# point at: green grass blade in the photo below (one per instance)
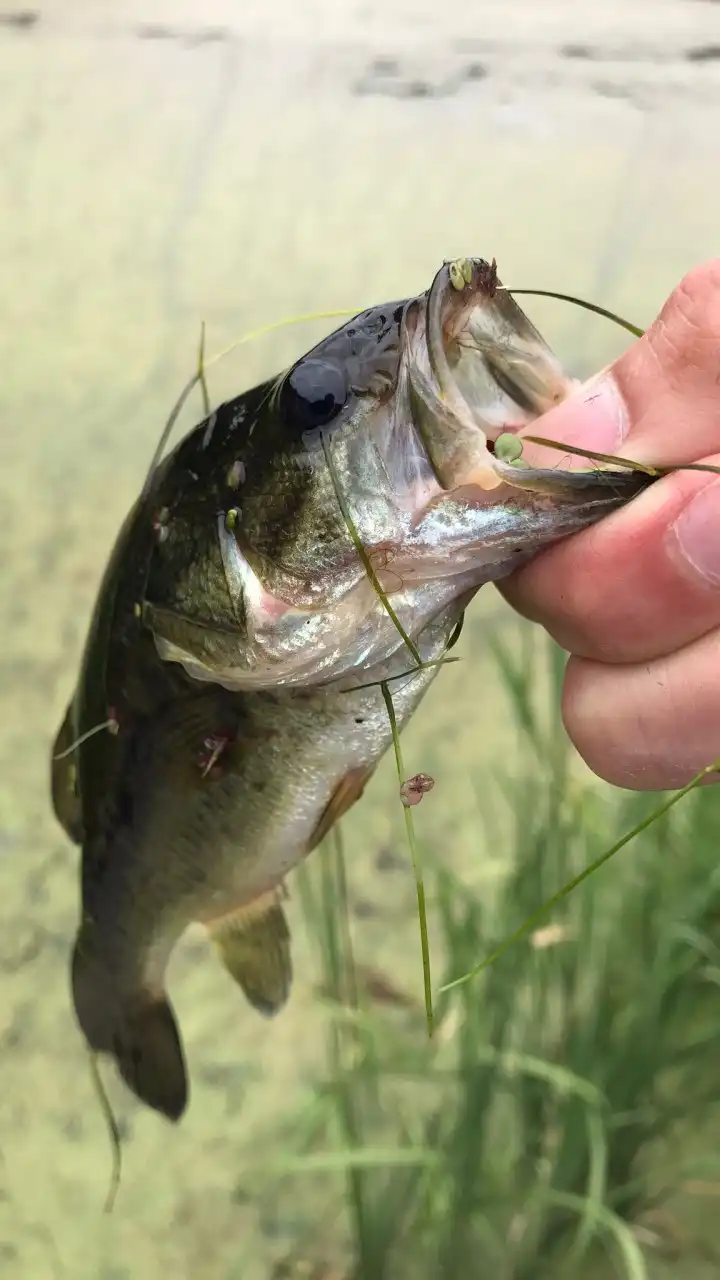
(113, 1133)
(537, 916)
(627, 1246)
(629, 464)
(417, 868)
(201, 373)
(580, 302)
(594, 1198)
(366, 561)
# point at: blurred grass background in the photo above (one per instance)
(564, 1121)
(163, 163)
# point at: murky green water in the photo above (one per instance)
(238, 170)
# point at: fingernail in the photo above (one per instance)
(697, 532)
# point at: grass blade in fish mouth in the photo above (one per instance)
(580, 302)
(648, 468)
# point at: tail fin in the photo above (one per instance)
(138, 1030)
(150, 1057)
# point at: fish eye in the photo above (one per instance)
(313, 393)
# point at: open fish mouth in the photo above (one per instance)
(370, 464)
(477, 368)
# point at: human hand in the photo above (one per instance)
(636, 598)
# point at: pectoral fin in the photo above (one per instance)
(347, 791)
(254, 946)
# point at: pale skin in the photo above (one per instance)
(635, 600)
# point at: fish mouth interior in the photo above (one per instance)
(478, 368)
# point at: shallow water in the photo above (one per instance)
(158, 167)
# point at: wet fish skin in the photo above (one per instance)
(182, 847)
(235, 623)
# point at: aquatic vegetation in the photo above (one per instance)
(570, 1092)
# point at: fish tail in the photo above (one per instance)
(150, 1058)
(138, 1029)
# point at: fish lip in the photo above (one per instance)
(458, 288)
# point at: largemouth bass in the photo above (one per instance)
(238, 638)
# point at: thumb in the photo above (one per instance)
(660, 401)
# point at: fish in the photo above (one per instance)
(315, 536)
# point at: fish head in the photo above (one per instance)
(362, 477)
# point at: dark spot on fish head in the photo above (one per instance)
(359, 719)
(313, 394)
